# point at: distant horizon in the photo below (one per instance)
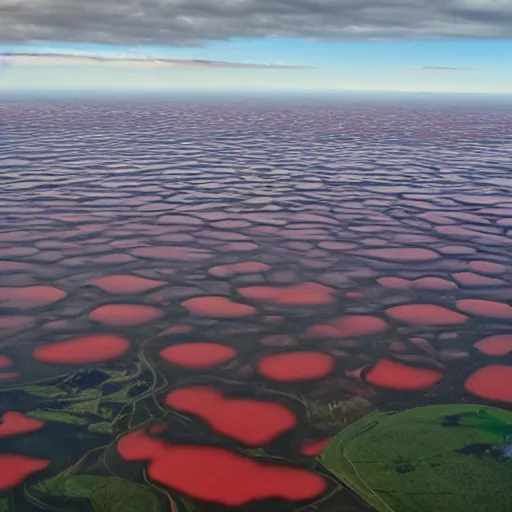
(251, 94)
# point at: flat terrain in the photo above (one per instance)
(167, 269)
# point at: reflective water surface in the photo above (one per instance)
(194, 299)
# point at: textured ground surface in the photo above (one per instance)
(219, 282)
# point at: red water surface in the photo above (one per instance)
(348, 326)
(218, 307)
(426, 314)
(397, 283)
(295, 366)
(249, 267)
(17, 252)
(95, 348)
(487, 267)
(28, 297)
(359, 325)
(198, 355)
(471, 279)
(253, 422)
(401, 254)
(392, 375)
(218, 475)
(492, 382)
(10, 266)
(304, 294)
(13, 423)
(16, 468)
(5, 361)
(486, 308)
(8, 375)
(119, 284)
(433, 283)
(315, 447)
(456, 250)
(125, 315)
(13, 323)
(354, 295)
(497, 345)
(221, 271)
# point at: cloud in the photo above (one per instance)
(130, 61)
(195, 22)
(438, 68)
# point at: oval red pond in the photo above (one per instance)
(492, 382)
(486, 308)
(13, 423)
(433, 283)
(497, 345)
(403, 254)
(359, 325)
(397, 283)
(253, 422)
(124, 284)
(125, 315)
(304, 294)
(28, 297)
(16, 468)
(425, 314)
(95, 348)
(392, 375)
(8, 376)
(295, 366)
(218, 307)
(198, 355)
(348, 326)
(472, 279)
(219, 475)
(487, 267)
(5, 361)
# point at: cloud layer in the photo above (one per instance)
(195, 22)
(125, 61)
(438, 68)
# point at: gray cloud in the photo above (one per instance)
(194, 22)
(438, 68)
(124, 60)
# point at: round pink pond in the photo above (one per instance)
(198, 355)
(125, 315)
(426, 314)
(497, 345)
(393, 375)
(253, 422)
(96, 348)
(491, 382)
(295, 366)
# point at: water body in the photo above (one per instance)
(195, 297)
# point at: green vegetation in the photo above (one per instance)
(447, 458)
(74, 486)
(45, 391)
(4, 505)
(61, 416)
(337, 414)
(105, 493)
(124, 496)
(102, 428)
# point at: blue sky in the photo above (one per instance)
(406, 55)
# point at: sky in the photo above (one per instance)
(452, 46)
